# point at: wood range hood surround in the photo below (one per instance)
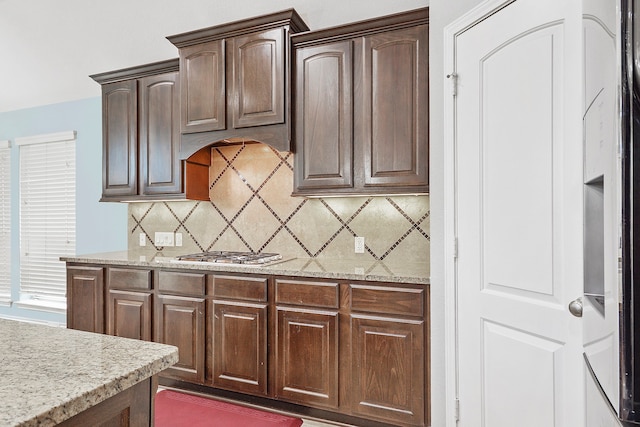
(196, 168)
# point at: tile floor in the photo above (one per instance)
(315, 423)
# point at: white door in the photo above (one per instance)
(518, 210)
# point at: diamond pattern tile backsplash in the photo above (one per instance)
(251, 209)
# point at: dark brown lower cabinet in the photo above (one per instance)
(358, 351)
(129, 314)
(239, 346)
(388, 369)
(307, 357)
(85, 299)
(179, 321)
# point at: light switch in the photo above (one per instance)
(163, 239)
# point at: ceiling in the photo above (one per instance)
(48, 48)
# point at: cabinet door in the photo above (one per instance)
(129, 314)
(395, 108)
(307, 357)
(180, 322)
(324, 116)
(85, 298)
(202, 82)
(239, 346)
(159, 165)
(388, 369)
(257, 91)
(120, 139)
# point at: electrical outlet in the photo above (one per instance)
(142, 239)
(359, 245)
(163, 239)
(178, 239)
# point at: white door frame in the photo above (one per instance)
(451, 32)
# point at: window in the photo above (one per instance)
(47, 218)
(5, 222)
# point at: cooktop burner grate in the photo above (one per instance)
(229, 257)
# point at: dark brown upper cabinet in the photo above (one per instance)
(141, 137)
(235, 81)
(324, 112)
(361, 103)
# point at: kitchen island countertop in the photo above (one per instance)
(322, 268)
(49, 374)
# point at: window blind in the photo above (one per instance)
(47, 216)
(5, 222)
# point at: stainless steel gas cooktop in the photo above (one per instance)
(228, 257)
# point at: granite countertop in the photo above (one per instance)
(49, 374)
(322, 268)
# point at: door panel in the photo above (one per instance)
(120, 133)
(518, 172)
(240, 347)
(517, 165)
(203, 81)
(307, 357)
(160, 167)
(394, 110)
(180, 322)
(324, 114)
(506, 351)
(387, 369)
(129, 314)
(258, 78)
(85, 290)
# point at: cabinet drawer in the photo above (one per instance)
(388, 300)
(128, 278)
(314, 294)
(243, 288)
(181, 283)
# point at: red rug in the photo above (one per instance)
(174, 409)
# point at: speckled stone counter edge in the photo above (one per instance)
(374, 271)
(87, 400)
(27, 344)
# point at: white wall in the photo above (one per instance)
(50, 48)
